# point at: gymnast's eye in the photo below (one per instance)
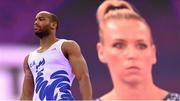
(141, 46)
(119, 45)
(41, 18)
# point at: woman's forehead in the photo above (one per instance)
(126, 30)
(125, 25)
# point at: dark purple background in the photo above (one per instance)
(78, 22)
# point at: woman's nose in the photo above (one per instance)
(131, 53)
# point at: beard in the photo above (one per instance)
(42, 34)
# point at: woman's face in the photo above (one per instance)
(127, 49)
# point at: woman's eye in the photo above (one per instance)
(119, 45)
(141, 46)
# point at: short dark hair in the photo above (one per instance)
(54, 18)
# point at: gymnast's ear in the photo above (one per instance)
(53, 25)
(100, 51)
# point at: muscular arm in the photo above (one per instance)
(28, 85)
(80, 69)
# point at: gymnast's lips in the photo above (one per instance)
(36, 27)
(133, 68)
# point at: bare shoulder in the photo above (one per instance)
(107, 96)
(26, 68)
(26, 58)
(70, 43)
(70, 46)
(104, 97)
(26, 61)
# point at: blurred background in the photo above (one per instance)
(78, 22)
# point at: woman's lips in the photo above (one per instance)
(133, 69)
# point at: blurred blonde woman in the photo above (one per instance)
(126, 46)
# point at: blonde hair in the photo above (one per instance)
(113, 11)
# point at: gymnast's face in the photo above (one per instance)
(127, 49)
(42, 24)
